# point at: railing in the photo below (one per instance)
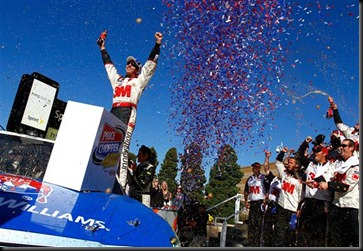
(236, 213)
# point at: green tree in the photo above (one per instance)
(223, 179)
(156, 156)
(192, 176)
(169, 169)
(132, 157)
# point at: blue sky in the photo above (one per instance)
(57, 39)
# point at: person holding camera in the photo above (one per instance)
(314, 205)
(303, 154)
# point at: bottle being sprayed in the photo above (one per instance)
(102, 37)
(329, 113)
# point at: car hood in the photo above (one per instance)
(43, 214)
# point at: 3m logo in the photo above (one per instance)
(255, 189)
(288, 187)
(123, 91)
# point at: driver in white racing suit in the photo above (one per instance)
(127, 91)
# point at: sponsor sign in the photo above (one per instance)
(39, 105)
(107, 151)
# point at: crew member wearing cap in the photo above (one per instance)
(127, 91)
(315, 203)
(254, 194)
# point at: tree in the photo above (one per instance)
(192, 177)
(156, 156)
(169, 169)
(223, 179)
(132, 157)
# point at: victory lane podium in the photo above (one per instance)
(87, 149)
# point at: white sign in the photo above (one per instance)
(39, 105)
(86, 153)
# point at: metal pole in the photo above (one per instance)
(262, 228)
(223, 234)
(236, 209)
(210, 208)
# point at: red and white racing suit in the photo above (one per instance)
(287, 205)
(291, 188)
(345, 183)
(343, 218)
(349, 132)
(126, 94)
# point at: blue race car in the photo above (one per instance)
(37, 213)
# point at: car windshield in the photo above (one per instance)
(24, 155)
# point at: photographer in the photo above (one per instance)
(304, 158)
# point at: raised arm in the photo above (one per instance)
(155, 52)
(300, 154)
(334, 107)
(279, 161)
(266, 164)
(101, 43)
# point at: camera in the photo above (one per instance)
(278, 149)
(319, 139)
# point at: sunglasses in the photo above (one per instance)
(344, 145)
(133, 63)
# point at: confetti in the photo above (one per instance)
(229, 81)
(229, 71)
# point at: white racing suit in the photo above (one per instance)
(349, 132)
(126, 94)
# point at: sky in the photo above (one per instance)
(253, 75)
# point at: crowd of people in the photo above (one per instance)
(313, 200)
